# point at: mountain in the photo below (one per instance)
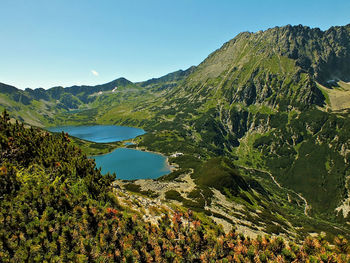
(262, 124)
(39, 107)
(169, 80)
(83, 93)
(266, 99)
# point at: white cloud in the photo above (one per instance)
(94, 72)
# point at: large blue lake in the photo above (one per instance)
(128, 164)
(100, 133)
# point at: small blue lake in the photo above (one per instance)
(128, 164)
(100, 133)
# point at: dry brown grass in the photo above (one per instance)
(339, 97)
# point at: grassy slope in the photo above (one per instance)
(338, 96)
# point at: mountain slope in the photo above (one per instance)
(41, 107)
(56, 206)
(167, 81)
(258, 98)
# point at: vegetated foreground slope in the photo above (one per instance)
(56, 206)
(265, 101)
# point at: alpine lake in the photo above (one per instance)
(128, 164)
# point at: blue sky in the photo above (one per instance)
(46, 43)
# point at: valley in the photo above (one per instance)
(263, 131)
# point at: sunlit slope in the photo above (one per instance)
(257, 99)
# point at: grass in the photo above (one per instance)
(337, 98)
(248, 155)
(325, 94)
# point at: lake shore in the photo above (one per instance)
(134, 163)
(99, 141)
(172, 168)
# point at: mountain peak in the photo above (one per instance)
(7, 88)
(119, 81)
(278, 52)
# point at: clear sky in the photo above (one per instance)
(46, 43)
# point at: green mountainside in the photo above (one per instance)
(262, 121)
(168, 81)
(40, 107)
(57, 207)
(257, 101)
